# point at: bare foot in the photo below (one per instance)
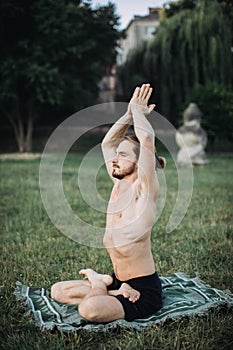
(127, 291)
(94, 277)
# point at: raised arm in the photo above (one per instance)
(145, 134)
(113, 138)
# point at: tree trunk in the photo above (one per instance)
(28, 138)
(19, 133)
(23, 131)
(23, 134)
(24, 137)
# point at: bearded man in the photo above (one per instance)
(134, 290)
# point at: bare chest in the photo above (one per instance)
(130, 215)
(122, 207)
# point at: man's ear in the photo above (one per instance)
(160, 162)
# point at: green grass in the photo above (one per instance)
(36, 253)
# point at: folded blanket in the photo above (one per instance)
(183, 296)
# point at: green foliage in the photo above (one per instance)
(227, 8)
(53, 52)
(190, 48)
(216, 103)
(33, 251)
(50, 48)
(132, 74)
(173, 8)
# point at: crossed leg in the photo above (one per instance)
(70, 292)
(95, 302)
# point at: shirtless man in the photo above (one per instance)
(134, 290)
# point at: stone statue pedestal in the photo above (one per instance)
(191, 138)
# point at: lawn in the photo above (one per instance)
(36, 253)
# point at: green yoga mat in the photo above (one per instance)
(183, 296)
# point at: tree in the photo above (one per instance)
(172, 8)
(190, 48)
(52, 52)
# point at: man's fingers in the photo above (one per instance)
(151, 107)
(143, 90)
(142, 95)
(136, 92)
(149, 94)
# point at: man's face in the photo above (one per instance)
(125, 162)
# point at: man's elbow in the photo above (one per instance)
(105, 144)
(105, 140)
(146, 138)
(109, 143)
(104, 147)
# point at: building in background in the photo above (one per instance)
(140, 28)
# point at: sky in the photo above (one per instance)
(126, 9)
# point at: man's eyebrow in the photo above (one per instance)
(122, 152)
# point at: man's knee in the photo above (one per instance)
(89, 309)
(58, 292)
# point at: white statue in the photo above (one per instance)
(191, 138)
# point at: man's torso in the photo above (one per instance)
(130, 216)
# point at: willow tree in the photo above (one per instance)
(191, 48)
(132, 74)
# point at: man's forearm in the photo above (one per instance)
(118, 130)
(142, 127)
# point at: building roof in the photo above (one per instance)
(153, 15)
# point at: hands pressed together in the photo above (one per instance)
(140, 100)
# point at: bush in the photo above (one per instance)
(216, 104)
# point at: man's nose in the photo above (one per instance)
(115, 160)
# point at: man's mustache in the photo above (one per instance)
(115, 166)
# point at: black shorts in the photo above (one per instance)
(150, 299)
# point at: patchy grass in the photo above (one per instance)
(36, 253)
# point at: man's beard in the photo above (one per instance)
(124, 172)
